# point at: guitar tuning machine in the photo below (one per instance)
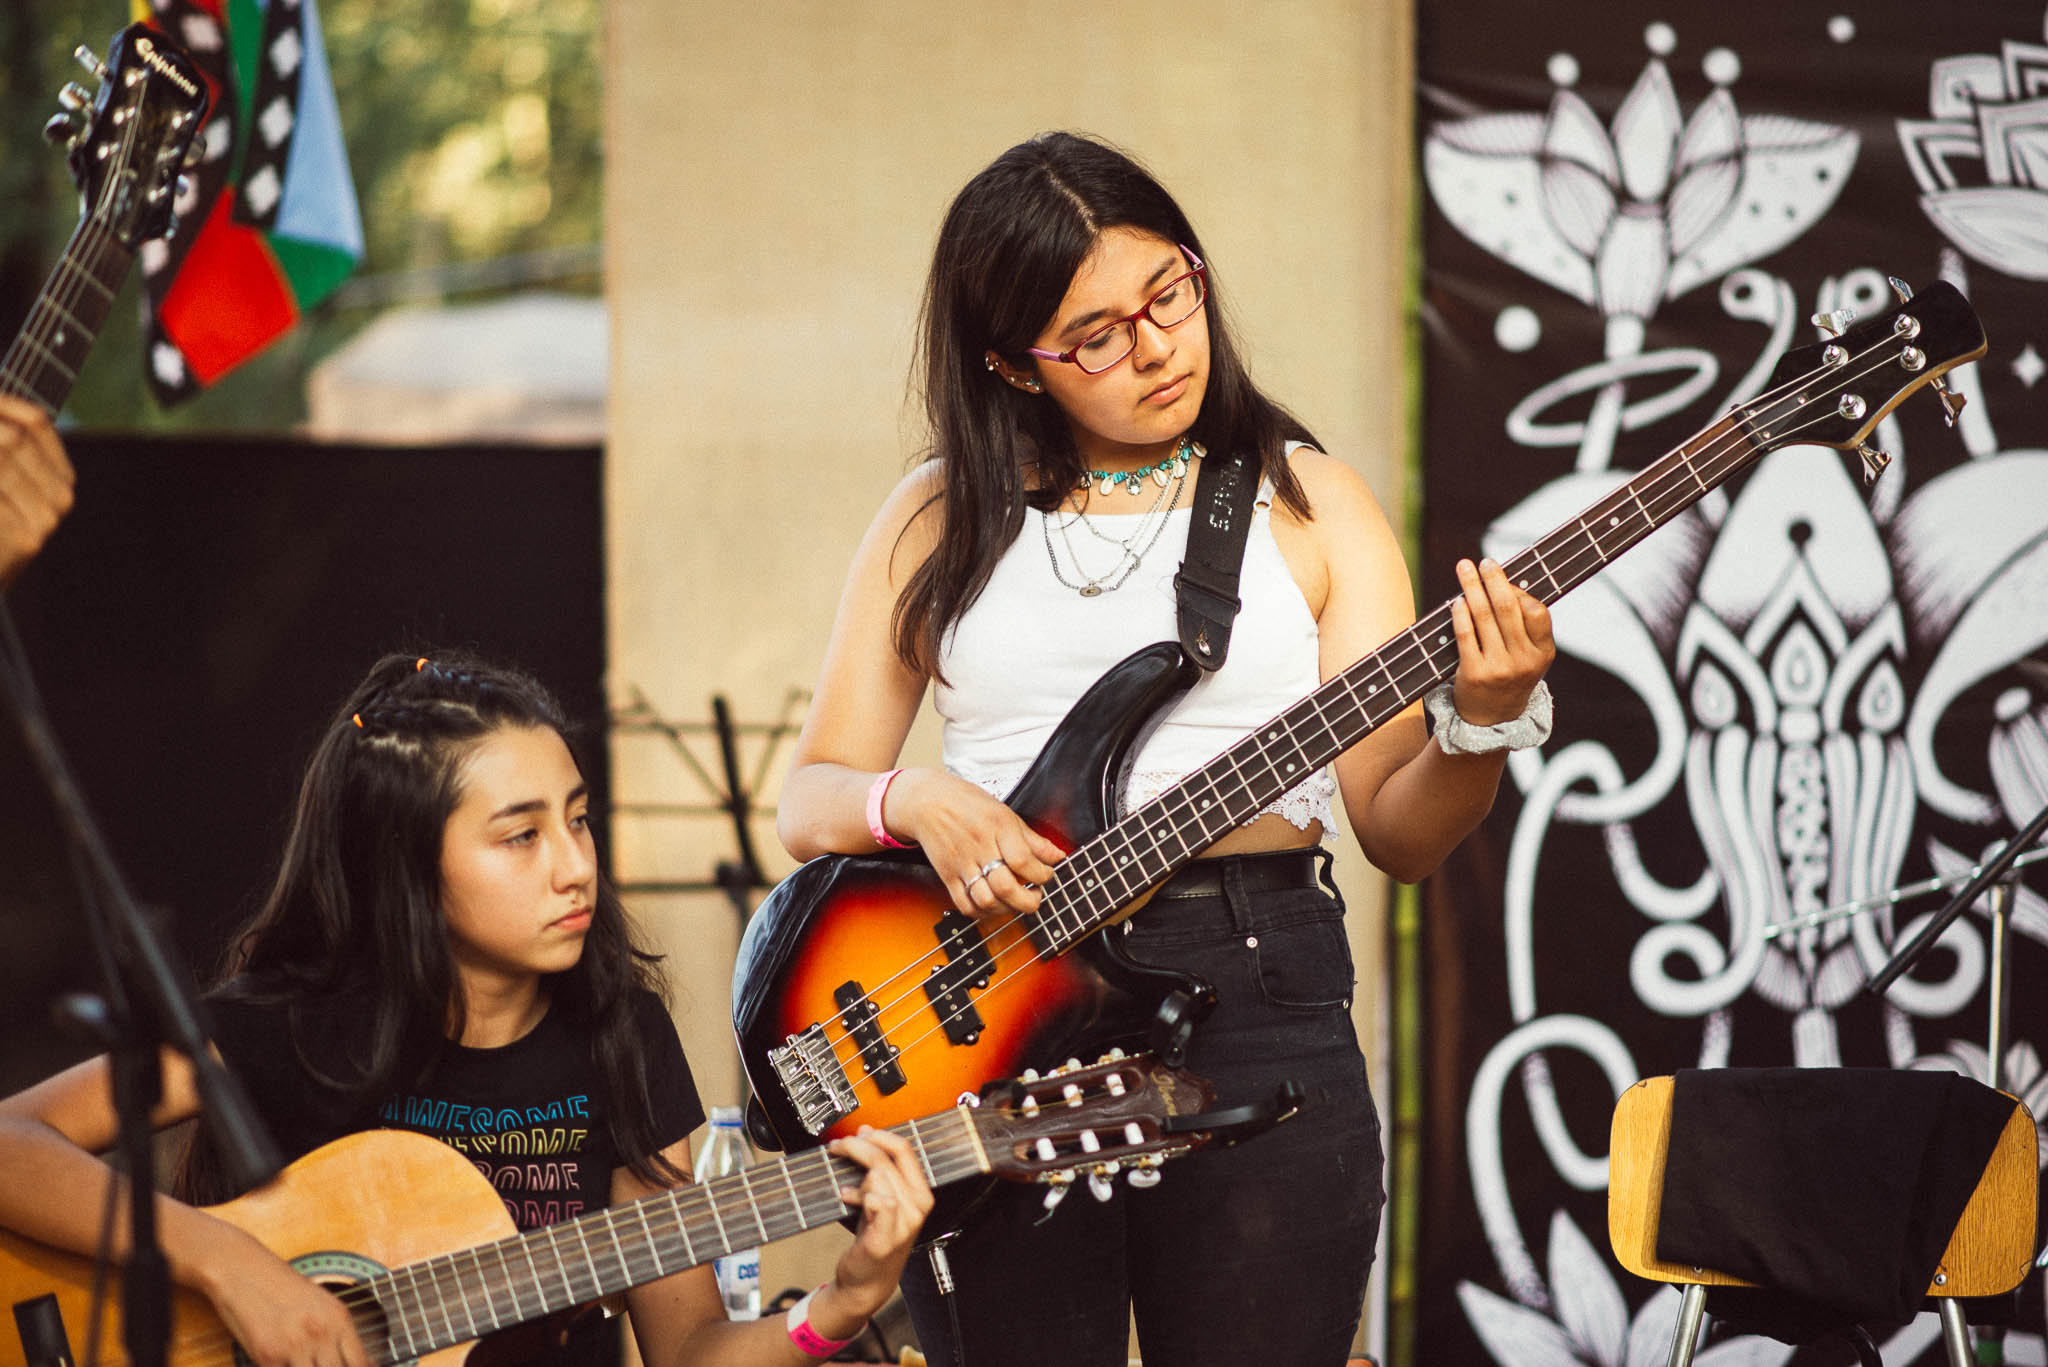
(85, 57)
(1951, 402)
(1102, 1181)
(61, 129)
(1900, 288)
(1144, 1171)
(1874, 462)
(1833, 322)
(74, 97)
(1057, 1185)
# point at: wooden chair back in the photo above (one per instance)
(1988, 1254)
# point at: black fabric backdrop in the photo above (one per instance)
(1804, 695)
(200, 614)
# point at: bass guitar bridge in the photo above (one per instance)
(812, 1079)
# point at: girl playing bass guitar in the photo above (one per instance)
(1077, 368)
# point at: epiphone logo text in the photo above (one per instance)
(146, 50)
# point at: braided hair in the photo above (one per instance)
(353, 922)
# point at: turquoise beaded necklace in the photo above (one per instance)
(1170, 466)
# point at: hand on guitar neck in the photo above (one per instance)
(36, 484)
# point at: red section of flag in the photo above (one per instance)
(229, 300)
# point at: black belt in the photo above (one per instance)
(1273, 871)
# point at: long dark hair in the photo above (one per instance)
(1007, 251)
(353, 923)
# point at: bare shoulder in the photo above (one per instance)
(907, 527)
(1335, 490)
(1346, 540)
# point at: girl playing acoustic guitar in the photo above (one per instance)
(1077, 370)
(440, 954)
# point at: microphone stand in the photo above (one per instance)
(1990, 872)
(149, 1003)
(1998, 870)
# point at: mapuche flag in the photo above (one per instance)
(268, 225)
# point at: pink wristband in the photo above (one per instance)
(876, 791)
(807, 1339)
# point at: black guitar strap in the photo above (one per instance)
(1206, 584)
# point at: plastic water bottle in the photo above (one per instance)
(739, 1272)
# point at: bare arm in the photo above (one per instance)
(56, 1190)
(36, 484)
(1409, 803)
(861, 711)
(679, 1321)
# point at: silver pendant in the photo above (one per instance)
(1091, 590)
(1131, 486)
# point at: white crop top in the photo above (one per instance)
(1029, 646)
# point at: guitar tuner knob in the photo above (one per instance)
(1900, 288)
(1833, 322)
(85, 57)
(1143, 1176)
(74, 97)
(59, 130)
(1874, 462)
(1101, 1186)
(1951, 402)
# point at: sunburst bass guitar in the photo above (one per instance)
(862, 996)
(418, 1245)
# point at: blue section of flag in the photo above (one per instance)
(319, 204)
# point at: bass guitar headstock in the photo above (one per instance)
(1834, 393)
(128, 140)
(1123, 1115)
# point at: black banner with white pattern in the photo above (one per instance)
(1799, 695)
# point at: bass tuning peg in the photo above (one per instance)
(1951, 402)
(1833, 322)
(1900, 288)
(83, 55)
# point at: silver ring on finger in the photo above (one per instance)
(968, 883)
(992, 865)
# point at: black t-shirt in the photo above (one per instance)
(528, 1113)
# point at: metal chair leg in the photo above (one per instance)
(1692, 1309)
(1955, 1333)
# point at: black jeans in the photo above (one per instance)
(1252, 1254)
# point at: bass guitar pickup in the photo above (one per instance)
(967, 965)
(864, 1028)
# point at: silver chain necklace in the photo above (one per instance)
(1151, 525)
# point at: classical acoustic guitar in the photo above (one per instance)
(126, 144)
(861, 995)
(418, 1245)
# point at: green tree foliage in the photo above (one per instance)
(473, 131)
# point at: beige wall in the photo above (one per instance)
(775, 177)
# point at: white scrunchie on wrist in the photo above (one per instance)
(1456, 736)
